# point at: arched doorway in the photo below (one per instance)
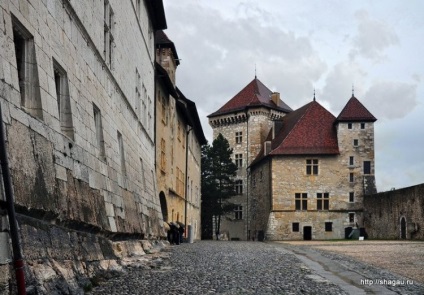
(403, 228)
(163, 206)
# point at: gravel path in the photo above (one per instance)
(219, 267)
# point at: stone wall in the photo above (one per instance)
(63, 261)
(385, 211)
(68, 165)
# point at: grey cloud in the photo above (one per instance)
(339, 82)
(392, 99)
(373, 38)
(224, 53)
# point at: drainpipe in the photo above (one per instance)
(18, 263)
(186, 181)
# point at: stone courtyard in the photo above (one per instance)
(222, 267)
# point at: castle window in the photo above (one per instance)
(163, 155)
(351, 197)
(362, 125)
(322, 201)
(239, 137)
(349, 125)
(99, 132)
(239, 160)
(239, 186)
(142, 178)
(27, 69)
(295, 227)
(137, 92)
(351, 161)
(301, 201)
(312, 167)
(238, 211)
(351, 217)
(63, 100)
(138, 8)
(328, 226)
(108, 36)
(121, 153)
(253, 180)
(355, 142)
(351, 178)
(367, 167)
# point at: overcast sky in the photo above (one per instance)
(297, 46)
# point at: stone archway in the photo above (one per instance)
(403, 228)
(163, 206)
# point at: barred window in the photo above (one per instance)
(239, 186)
(63, 100)
(239, 160)
(351, 197)
(301, 201)
(295, 227)
(108, 36)
(239, 137)
(323, 201)
(238, 212)
(312, 167)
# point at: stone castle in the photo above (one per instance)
(302, 173)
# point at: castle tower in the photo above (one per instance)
(245, 121)
(166, 54)
(355, 133)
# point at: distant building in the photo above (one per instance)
(308, 171)
(245, 121)
(179, 136)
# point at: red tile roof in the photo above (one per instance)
(355, 111)
(254, 94)
(309, 130)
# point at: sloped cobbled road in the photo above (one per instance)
(220, 267)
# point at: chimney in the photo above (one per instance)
(275, 97)
(267, 148)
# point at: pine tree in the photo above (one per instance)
(218, 171)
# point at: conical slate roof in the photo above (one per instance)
(354, 111)
(254, 94)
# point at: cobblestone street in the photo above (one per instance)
(210, 267)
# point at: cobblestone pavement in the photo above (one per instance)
(219, 267)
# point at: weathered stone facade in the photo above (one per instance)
(179, 136)
(77, 91)
(396, 214)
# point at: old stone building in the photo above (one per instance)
(77, 90)
(307, 170)
(245, 121)
(179, 136)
